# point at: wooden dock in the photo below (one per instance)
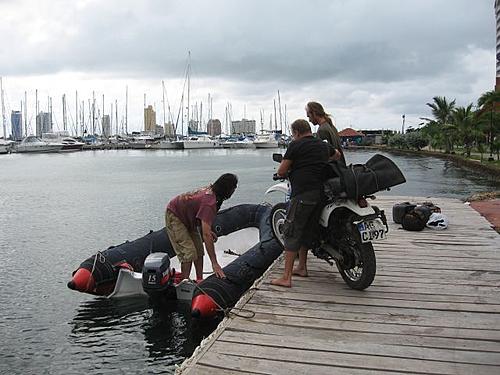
(434, 308)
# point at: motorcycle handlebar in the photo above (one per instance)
(276, 177)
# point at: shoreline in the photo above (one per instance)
(494, 172)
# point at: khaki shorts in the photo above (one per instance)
(188, 245)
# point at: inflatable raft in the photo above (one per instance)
(117, 271)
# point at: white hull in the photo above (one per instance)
(38, 148)
(189, 145)
(239, 145)
(4, 149)
(167, 145)
(266, 144)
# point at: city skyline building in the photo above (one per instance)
(106, 126)
(214, 127)
(149, 119)
(243, 126)
(16, 120)
(43, 123)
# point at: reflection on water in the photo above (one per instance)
(158, 333)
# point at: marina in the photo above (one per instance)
(59, 208)
(432, 309)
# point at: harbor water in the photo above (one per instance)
(58, 209)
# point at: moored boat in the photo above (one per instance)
(35, 144)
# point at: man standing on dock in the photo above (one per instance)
(304, 162)
(326, 131)
(186, 213)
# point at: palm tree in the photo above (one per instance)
(464, 119)
(488, 104)
(442, 112)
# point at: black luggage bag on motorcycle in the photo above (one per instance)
(356, 180)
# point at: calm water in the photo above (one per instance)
(57, 210)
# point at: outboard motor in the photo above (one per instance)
(157, 276)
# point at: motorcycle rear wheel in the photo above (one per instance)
(278, 216)
(362, 274)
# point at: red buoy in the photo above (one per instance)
(82, 280)
(203, 307)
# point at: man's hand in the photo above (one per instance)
(218, 271)
(214, 236)
(336, 156)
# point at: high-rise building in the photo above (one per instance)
(43, 123)
(149, 120)
(169, 129)
(16, 119)
(497, 16)
(214, 127)
(106, 126)
(243, 126)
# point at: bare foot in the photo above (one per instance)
(282, 282)
(300, 272)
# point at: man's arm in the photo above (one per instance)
(284, 167)
(209, 244)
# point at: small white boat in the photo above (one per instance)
(71, 144)
(199, 141)
(266, 141)
(35, 144)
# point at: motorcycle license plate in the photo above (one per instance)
(372, 230)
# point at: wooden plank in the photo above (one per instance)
(248, 365)
(410, 295)
(416, 304)
(456, 320)
(356, 326)
(441, 318)
(349, 360)
(383, 338)
(369, 349)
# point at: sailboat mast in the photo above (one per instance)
(64, 111)
(275, 118)
(279, 106)
(262, 121)
(102, 118)
(25, 114)
(126, 110)
(116, 116)
(189, 86)
(163, 96)
(4, 120)
(93, 112)
(76, 112)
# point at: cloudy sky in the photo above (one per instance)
(367, 61)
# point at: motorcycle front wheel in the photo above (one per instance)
(278, 216)
(362, 273)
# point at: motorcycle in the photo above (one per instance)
(347, 229)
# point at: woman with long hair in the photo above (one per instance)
(186, 213)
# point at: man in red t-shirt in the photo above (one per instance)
(186, 213)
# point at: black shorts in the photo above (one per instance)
(301, 224)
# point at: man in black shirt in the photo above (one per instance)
(304, 161)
